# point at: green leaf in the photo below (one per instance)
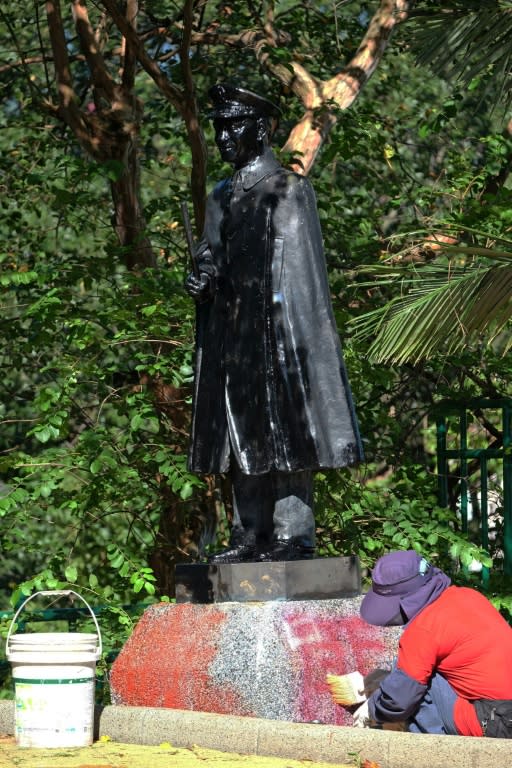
(117, 561)
(45, 432)
(93, 580)
(186, 491)
(96, 466)
(45, 490)
(136, 422)
(71, 573)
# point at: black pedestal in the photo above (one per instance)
(317, 579)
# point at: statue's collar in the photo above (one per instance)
(264, 165)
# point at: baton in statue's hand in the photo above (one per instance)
(190, 239)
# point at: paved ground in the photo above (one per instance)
(109, 754)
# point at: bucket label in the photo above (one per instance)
(54, 712)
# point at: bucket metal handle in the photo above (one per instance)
(47, 593)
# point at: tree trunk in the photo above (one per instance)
(128, 218)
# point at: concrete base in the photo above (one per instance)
(316, 579)
(266, 660)
(293, 741)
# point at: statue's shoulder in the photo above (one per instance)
(219, 194)
(295, 183)
(220, 188)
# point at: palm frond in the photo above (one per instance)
(439, 309)
(466, 39)
(457, 229)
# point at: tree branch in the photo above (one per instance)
(346, 86)
(130, 57)
(67, 109)
(100, 76)
(190, 116)
(171, 92)
(343, 89)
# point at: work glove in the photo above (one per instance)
(199, 288)
(361, 716)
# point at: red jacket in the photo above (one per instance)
(466, 640)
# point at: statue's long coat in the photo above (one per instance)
(270, 382)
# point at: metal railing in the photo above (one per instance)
(464, 466)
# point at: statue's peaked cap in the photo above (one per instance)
(230, 101)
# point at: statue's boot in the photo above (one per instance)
(287, 549)
(239, 551)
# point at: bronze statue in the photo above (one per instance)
(272, 402)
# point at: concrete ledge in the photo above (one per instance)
(300, 741)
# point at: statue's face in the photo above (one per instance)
(238, 139)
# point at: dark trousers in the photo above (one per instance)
(276, 505)
(435, 713)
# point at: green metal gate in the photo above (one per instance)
(465, 462)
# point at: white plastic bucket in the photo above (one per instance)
(54, 677)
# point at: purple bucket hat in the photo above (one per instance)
(403, 583)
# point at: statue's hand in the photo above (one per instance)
(200, 288)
